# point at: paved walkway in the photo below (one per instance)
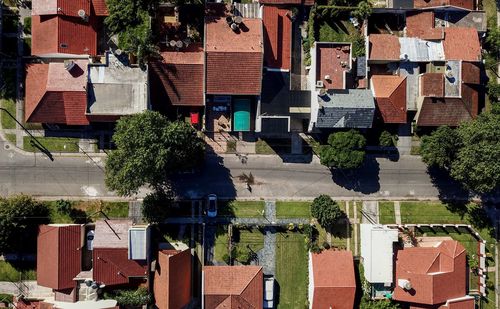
(28, 288)
(397, 212)
(267, 256)
(370, 212)
(270, 211)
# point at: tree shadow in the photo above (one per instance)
(449, 190)
(365, 179)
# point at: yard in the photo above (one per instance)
(10, 273)
(293, 209)
(241, 209)
(250, 238)
(291, 270)
(83, 210)
(54, 144)
(221, 244)
(386, 212)
(7, 121)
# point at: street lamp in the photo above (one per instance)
(37, 144)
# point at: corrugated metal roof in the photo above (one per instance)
(414, 49)
(247, 10)
(137, 238)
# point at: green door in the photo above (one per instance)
(241, 115)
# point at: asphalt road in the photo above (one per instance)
(380, 178)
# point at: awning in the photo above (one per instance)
(241, 115)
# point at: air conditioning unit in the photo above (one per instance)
(319, 84)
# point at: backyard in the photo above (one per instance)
(9, 272)
(291, 270)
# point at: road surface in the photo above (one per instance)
(83, 177)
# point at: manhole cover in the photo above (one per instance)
(6, 146)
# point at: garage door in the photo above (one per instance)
(241, 115)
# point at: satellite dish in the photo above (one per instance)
(179, 44)
(173, 42)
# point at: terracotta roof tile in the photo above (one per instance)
(63, 34)
(432, 85)
(100, 7)
(233, 286)
(233, 60)
(330, 59)
(462, 44)
(384, 47)
(334, 280)
(172, 282)
(421, 25)
(466, 4)
(60, 7)
(59, 255)
(277, 37)
(181, 75)
(436, 274)
(54, 95)
(112, 266)
(471, 73)
(390, 96)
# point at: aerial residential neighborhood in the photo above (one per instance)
(321, 154)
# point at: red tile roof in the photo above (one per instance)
(274, 2)
(432, 85)
(60, 7)
(390, 96)
(59, 255)
(421, 25)
(329, 61)
(172, 281)
(100, 7)
(63, 34)
(384, 47)
(181, 74)
(461, 44)
(233, 287)
(436, 274)
(233, 60)
(112, 266)
(54, 95)
(471, 73)
(277, 37)
(466, 4)
(334, 282)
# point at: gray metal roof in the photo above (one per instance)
(411, 70)
(361, 66)
(418, 50)
(350, 108)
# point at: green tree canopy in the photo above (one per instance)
(326, 210)
(156, 206)
(345, 150)
(149, 148)
(20, 217)
(477, 164)
(440, 148)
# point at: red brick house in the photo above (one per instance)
(332, 282)
(433, 276)
(233, 287)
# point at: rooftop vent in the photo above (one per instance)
(328, 77)
(319, 84)
(69, 65)
(404, 284)
(403, 57)
(82, 14)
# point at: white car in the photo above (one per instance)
(269, 292)
(212, 205)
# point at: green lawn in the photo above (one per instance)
(252, 238)
(11, 138)
(242, 209)
(55, 144)
(291, 270)
(221, 243)
(10, 273)
(293, 209)
(341, 30)
(386, 212)
(262, 147)
(339, 235)
(83, 210)
(427, 212)
(7, 121)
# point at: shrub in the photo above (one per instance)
(64, 207)
(27, 25)
(385, 139)
(326, 210)
(137, 297)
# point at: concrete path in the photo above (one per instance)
(270, 211)
(397, 212)
(267, 256)
(356, 226)
(27, 288)
(370, 212)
